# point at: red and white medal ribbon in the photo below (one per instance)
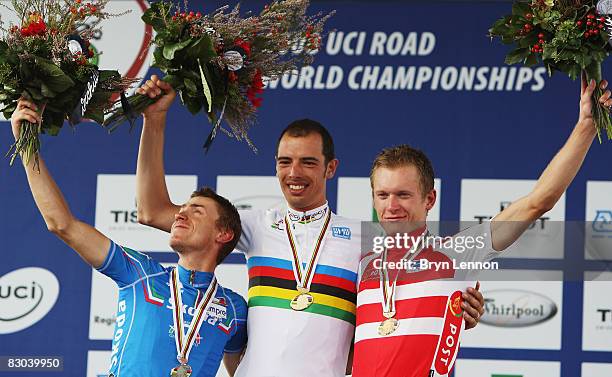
(183, 341)
(387, 287)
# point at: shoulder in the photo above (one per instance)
(234, 302)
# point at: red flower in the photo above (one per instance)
(246, 46)
(34, 26)
(255, 88)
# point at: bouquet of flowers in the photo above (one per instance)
(217, 62)
(569, 36)
(45, 59)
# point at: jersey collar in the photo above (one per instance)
(307, 217)
(196, 279)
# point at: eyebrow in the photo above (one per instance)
(192, 205)
(302, 159)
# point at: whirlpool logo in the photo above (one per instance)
(26, 296)
(517, 308)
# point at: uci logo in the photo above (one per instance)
(603, 221)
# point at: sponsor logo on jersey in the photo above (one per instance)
(341, 232)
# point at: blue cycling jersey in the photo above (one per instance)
(143, 342)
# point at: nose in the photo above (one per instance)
(393, 203)
(180, 215)
(295, 170)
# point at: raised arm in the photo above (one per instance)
(90, 244)
(509, 224)
(153, 202)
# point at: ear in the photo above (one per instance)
(430, 199)
(330, 170)
(224, 236)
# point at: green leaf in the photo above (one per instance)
(95, 115)
(582, 60)
(192, 103)
(202, 49)
(190, 86)
(531, 60)
(205, 86)
(107, 75)
(152, 16)
(46, 91)
(500, 27)
(171, 49)
(53, 76)
(528, 41)
(574, 71)
(34, 93)
(517, 56)
(3, 48)
(521, 8)
(158, 59)
(175, 81)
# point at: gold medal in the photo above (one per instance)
(388, 326)
(303, 277)
(182, 370)
(183, 341)
(302, 301)
(387, 288)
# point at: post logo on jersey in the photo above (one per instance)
(454, 305)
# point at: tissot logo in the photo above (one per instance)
(605, 315)
(538, 224)
(124, 216)
(516, 308)
(26, 296)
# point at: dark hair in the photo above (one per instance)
(305, 127)
(404, 155)
(229, 219)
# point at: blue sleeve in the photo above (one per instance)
(125, 266)
(238, 341)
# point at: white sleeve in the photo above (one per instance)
(248, 220)
(472, 244)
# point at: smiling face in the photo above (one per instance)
(194, 226)
(398, 195)
(302, 171)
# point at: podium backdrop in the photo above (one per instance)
(418, 72)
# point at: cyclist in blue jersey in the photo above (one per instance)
(170, 321)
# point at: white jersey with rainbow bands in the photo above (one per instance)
(315, 341)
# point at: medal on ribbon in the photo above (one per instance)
(390, 323)
(183, 341)
(303, 277)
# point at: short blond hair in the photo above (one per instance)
(405, 155)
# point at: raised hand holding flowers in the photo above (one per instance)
(217, 62)
(45, 60)
(569, 36)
